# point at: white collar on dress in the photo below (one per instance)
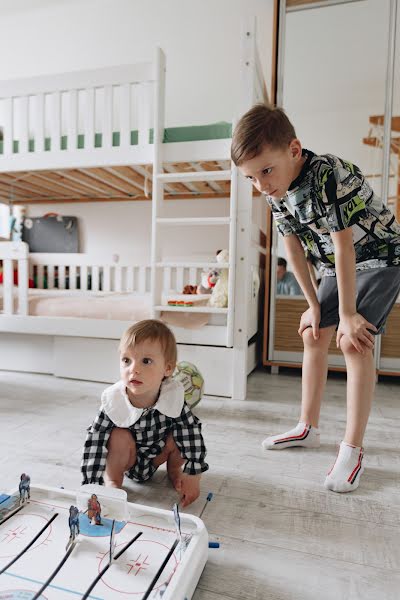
(115, 403)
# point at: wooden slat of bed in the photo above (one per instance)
(126, 178)
(58, 184)
(27, 186)
(113, 180)
(130, 174)
(390, 347)
(9, 192)
(119, 183)
(87, 181)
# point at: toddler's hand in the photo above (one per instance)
(188, 487)
(311, 318)
(355, 327)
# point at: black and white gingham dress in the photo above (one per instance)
(149, 432)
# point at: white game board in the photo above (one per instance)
(127, 578)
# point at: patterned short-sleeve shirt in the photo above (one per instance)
(331, 194)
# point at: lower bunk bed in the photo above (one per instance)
(70, 323)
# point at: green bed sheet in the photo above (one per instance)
(214, 131)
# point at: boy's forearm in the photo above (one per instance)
(298, 263)
(345, 264)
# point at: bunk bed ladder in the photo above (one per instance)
(157, 188)
(161, 220)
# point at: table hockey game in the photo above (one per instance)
(137, 552)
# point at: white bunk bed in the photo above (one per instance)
(84, 347)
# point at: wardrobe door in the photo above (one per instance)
(390, 341)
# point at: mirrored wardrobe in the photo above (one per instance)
(338, 78)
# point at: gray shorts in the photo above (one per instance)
(377, 291)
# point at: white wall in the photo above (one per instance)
(334, 76)
(201, 41)
(123, 228)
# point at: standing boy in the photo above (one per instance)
(324, 205)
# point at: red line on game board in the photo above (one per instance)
(37, 536)
(105, 569)
(153, 526)
(49, 504)
(43, 542)
(119, 591)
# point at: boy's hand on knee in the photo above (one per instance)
(311, 318)
(188, 488)
(358, 330)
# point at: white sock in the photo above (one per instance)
(301, 435)
(346, 472)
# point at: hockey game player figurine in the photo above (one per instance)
(73, 522)
(94, 510)
(24, 488)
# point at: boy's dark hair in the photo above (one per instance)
(262, 125)
(282, 262)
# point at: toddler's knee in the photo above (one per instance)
(170, 445)
(121, 439)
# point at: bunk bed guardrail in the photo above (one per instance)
(80, 273)
(49, 121)
(14, 259)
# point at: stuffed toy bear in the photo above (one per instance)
(208, 281)
(219, 294)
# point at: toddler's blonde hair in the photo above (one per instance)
(151, 329)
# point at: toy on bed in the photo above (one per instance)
(15, 278)
(208, 280)
(219, 295)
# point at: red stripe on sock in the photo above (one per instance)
(357, 466)
(293, 437)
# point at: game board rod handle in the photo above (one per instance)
(160, 570)
(29, 545)
(11, 514)
(108, 565)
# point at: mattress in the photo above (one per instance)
(102, 305)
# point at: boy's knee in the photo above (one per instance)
(309, 340)
(347, 346)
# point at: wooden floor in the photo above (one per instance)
(282, 536)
